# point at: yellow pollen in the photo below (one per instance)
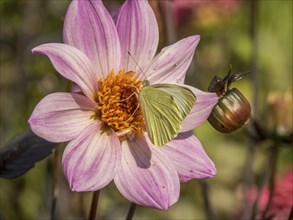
(118, 102)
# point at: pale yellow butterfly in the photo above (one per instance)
(164, 107)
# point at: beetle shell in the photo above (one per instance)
(231, 112)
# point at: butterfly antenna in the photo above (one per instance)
(136, 63)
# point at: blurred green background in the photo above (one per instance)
(229, 35)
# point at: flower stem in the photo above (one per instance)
(94, 205)
(274, 160)
(55, 181)
(165, 8)
(247, 210)
(248, 179)
(131, 211)
(264, 178)
(206, 196)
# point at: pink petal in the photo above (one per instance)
(75, 88)
(60, 117)
(147, 177)
(89, 27)
(171, 64)
(72, 64)
(205, 101)
(91, 160)
(189, 157)
(138, 32)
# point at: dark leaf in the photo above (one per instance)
(21, 153)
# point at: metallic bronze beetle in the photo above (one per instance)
(232, 110)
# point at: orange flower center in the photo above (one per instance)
(118, 103)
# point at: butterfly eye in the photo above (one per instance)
(145, 83)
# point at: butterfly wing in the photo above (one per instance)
(184, 98)
(161, 114)
(164, 107)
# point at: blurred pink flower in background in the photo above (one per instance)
(95, 57)
(282, 200)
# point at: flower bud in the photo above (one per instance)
(231, 112)
(279, 112)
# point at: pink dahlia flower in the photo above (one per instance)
(106, 141)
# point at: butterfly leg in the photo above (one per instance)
(137, 107)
